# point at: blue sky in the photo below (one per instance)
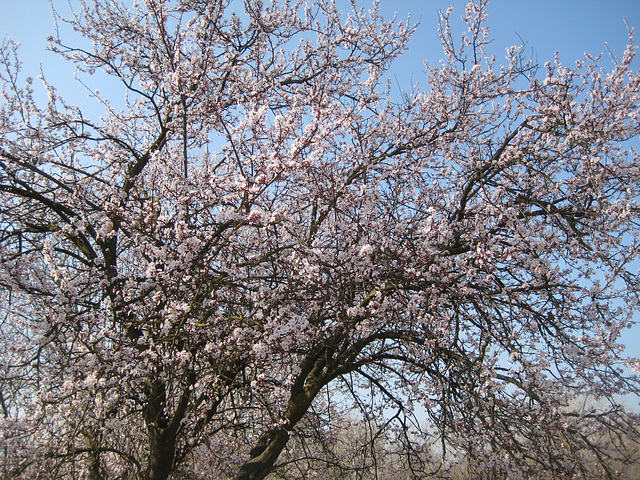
(570, 27)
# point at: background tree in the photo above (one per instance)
(255, 242)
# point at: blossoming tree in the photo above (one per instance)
(254, 244)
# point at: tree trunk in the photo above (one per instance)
(94, 472)
(261, 464)
(162, 446)
(313, 376)
(163, 432)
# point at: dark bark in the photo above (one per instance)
(315, 373)
(163, 432)
(260, 465)
(94, 472)
(162, 446)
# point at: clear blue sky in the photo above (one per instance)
(570, 27)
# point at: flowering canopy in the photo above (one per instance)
(256, 243)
